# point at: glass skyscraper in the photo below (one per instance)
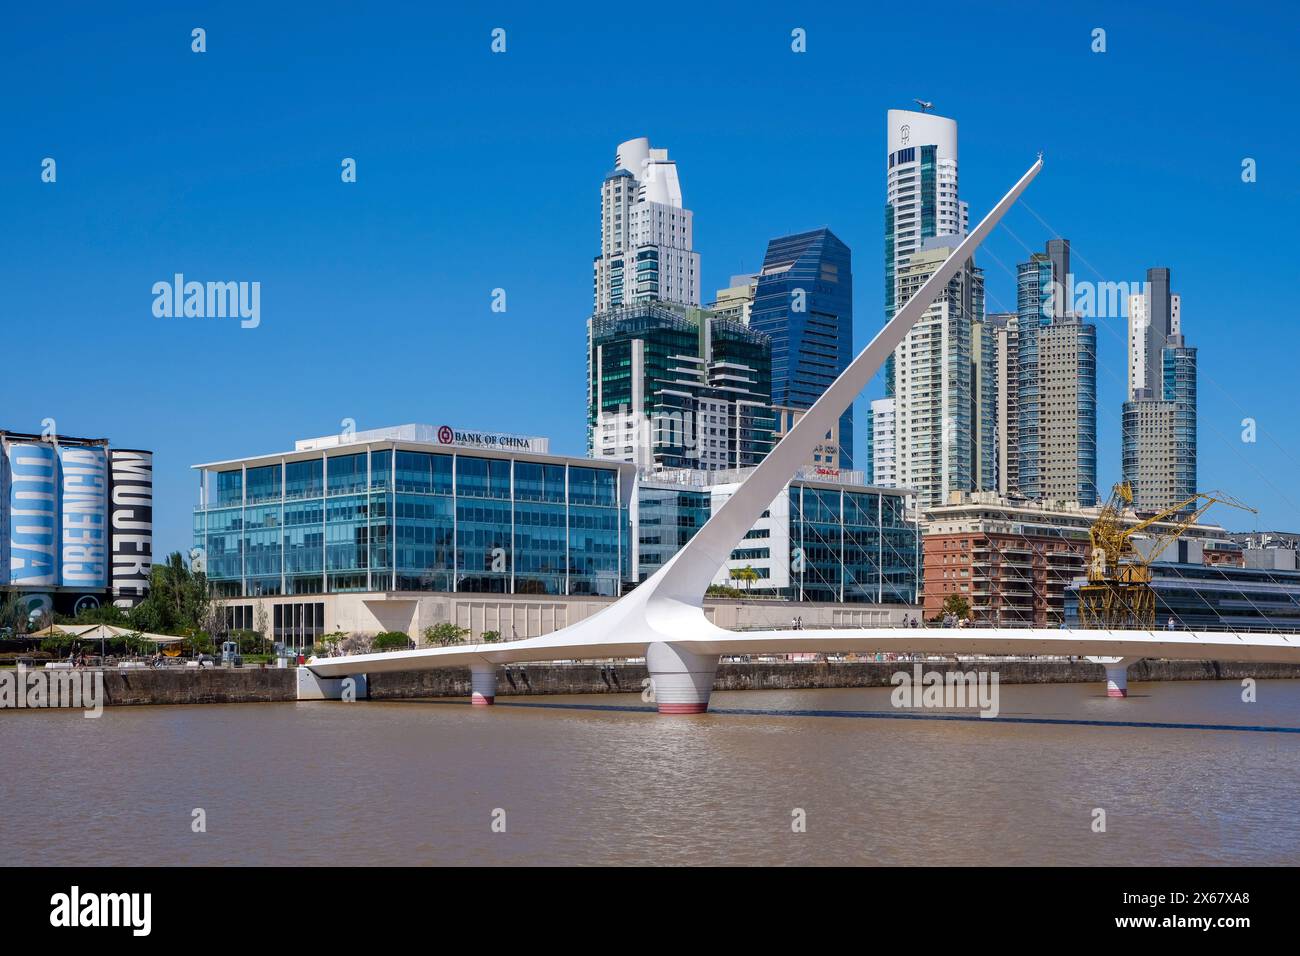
(804, 303)
(672, 387)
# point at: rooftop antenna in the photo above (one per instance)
(925, 105)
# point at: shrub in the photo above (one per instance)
(491, 637)
(391, 641)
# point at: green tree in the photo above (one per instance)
(958, 605)
(746, 574)
(445, 634)
(178, 603)
(491, 637)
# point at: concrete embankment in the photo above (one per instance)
(542, 679)
(261, 685)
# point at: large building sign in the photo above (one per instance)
(131, 519)
(33, 514)
(493, 441)
(83, 514)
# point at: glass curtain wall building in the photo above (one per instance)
(804, 302)
(827, 540)
(390, 515)
(670, 387)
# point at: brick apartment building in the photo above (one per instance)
(1012, 559)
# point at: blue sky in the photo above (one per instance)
(478, 171)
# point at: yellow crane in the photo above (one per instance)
(1119, 593)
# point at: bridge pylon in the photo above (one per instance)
(682, 679)
(483, 684)
(1116, 673)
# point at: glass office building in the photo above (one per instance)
(804, 302)
(415, 509)
(828, 539)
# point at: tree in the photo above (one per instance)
(490, 637)
(746, 574)
(178, 603)
(262, 625)
(445, 634)
(958, 605)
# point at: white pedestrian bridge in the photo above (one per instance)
(663, 619)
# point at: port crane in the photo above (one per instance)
(1118, 593)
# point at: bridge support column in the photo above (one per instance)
(1116, 673)
(682, 679)
(483, 684)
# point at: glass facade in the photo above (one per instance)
(804, 302)
(857, 547)
(401, 519)
(694, 386)
(839, 544)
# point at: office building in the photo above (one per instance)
(804, 302)
(826, 538)
(414, 508)
(678, 388)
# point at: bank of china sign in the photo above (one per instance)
(494, 441)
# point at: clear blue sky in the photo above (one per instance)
(478, 171)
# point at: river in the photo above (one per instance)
(571, 782)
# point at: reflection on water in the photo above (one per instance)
(417, 782)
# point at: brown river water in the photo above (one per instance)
(603, 780)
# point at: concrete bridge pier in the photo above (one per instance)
(483, 684)
(1116, 673)
(682, 679)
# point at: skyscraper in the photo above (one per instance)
(804, 302)
(1006, 359)
(921, 200)
(646, 233)
(1056, 383)
(1159, 419)
(945, 424)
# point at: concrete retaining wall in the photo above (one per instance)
(209, 685)
(261, 685)
(541, 679)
